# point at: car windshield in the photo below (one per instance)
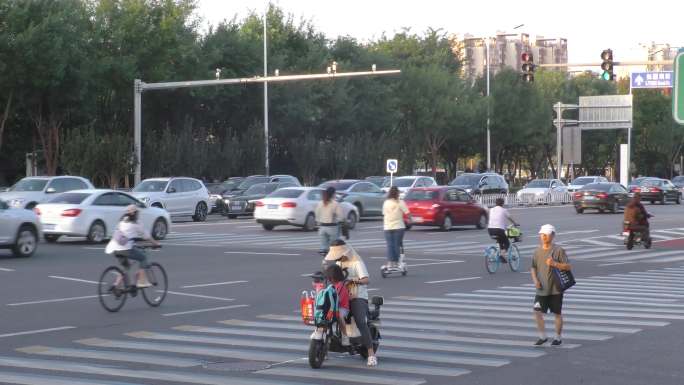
(399, 182)
(637, 181)
(249, 182)
(678, 180)
(537, 183)
(29, 185)
(151, 186)
(595, 187)
(582, 181)
(215, 188)
(70, 198)
(339, 186)
(652, 183)
(421, 195)
(286, 193)
(257, 189)
(466, 180)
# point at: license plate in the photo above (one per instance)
(49, 227)
(272, 207)
(589, 198)
(644, 190)
(625, 233)
(418, 219)
(235, 206)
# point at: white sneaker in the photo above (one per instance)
(372, 361)
(317, 335)
(143, 284)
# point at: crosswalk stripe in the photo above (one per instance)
(470, 329)
(667, 309)
(474, 313)
(390, 366)
(643, 256)
(599, 285)
(112, 356)
(613, 253)
(583, 251)
(662, 237)
(654, 274)
(39, 379)
(166, 375)
(340, 375)
(460, 348)
(301, 346)
(648, 277)
(190, 349)
(597, 242)
(526, 309)
(656, 283)
(680, 233)
(439, 336)
(670, 259)
(507, 290)
(566, 300)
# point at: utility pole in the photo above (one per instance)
(266, 141)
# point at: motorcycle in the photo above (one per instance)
(633, 237)
(331, 330)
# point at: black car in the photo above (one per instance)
(485, 183)
(218, 190)
(605, 196)
(658, 190)
(243, 204)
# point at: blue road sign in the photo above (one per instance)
(392, 166)
(662, 79)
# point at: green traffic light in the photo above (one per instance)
(606, 75)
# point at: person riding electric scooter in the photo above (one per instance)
(636, 222)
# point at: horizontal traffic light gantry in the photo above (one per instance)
(527, 67)
(607, 65)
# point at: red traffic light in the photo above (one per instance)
(526, 57)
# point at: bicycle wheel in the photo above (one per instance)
(155, 294)
(492, 259)
(514, 258)
(112, 289)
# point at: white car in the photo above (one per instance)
(295, 206)
(541, 190)
(178, 196)
(20, 230)
(30, 191)
(405, 183)
(581, 181)
(94, 214)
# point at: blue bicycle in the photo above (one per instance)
(493, 253)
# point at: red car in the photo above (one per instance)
(444, 206)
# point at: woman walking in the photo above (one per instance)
(328, 216)
(393, 211)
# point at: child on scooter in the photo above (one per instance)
(335, 276)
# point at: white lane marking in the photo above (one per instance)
(260, 253)
(579, 293)
(597, 242)
(454, 280)
(200, 296)
(73, 279)
(670, 259)
(681, 234)
(433, 263)
(52, 300)
(615, 263)
(112, 356)
(644, 256)
(203, 310)
(248, 227)
(346, 374)
(92, 248)
(212, 284)
(663, 237)
(37, 331)
(5, 269)
(599, 286)
(40, 379)
(569, 299)
(578, 232)
(203, 224)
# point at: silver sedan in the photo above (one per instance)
(366, 196)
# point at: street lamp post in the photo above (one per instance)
(266, 141)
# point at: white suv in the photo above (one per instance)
(30, 191)
(178, 196)
(20, 230)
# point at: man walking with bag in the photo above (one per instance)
(549, 296)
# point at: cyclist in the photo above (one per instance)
(498, 221)
(637, 216)
(123, 242)
(329, 217)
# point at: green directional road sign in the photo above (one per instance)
(678, 88)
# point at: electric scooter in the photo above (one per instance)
(386, 271)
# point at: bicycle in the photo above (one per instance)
(114, 285)
(493, 253)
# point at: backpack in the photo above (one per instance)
(326, 305)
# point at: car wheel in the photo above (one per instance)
(446, 225)
(200, 212)
(579, 210)
(663, 200)
(482, 222)
(614, 208)
(268, 227)
(351, 220)
(310, 222)
(160, 229)
(678, 200)
(97, 232)
(26, 243)
(232, 216)
(360, 208)
(51, 238)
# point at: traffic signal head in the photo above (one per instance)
(527, 67)
(607, 65)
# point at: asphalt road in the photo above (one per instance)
(231, 313)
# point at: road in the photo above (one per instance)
(231, 315)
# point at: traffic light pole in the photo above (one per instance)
(616, 63)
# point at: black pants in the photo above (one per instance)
(359, 309)
(501, 238)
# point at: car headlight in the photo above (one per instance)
(468, 190)
(145, 200)
(18, 202)
(226, 201)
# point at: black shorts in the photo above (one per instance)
(553, 303)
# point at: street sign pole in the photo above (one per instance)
(678, 88)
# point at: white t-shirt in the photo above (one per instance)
(356, 269)
(130, 230)
(498, 218)
(393, 214)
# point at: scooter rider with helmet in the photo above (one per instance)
(636, 217)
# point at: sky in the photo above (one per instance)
(589, 26)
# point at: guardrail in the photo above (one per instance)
(518, 200)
